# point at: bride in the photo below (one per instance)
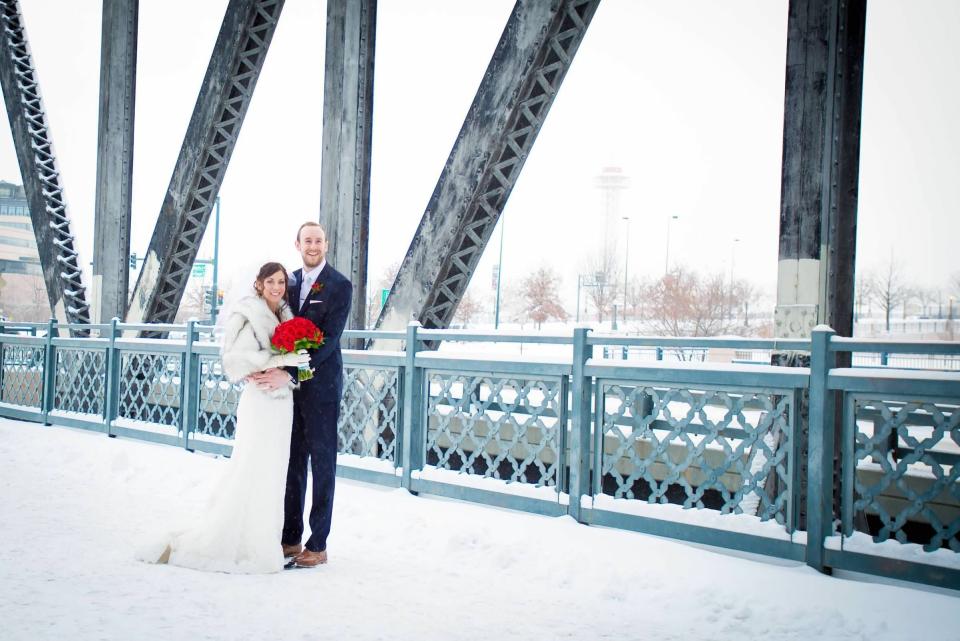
(240, 530)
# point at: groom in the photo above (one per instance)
(322, 294)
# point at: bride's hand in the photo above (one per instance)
(289, 360)
(301, 357)
(270, 379)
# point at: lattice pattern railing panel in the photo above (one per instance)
(22, 375)
(907, 477)
(150, 387)
(501, 427)
(369, 412)
(711, 449)
(80, 383)
(217, 410)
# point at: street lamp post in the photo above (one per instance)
(579, 277)
(626, 267)
(666, 262)
(216, 263)
(496, 313)
(950, 320)
(733, 249)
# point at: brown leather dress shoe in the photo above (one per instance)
(310, 559)
(290, 551)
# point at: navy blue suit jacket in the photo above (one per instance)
(328, 307)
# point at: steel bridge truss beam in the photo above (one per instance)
(347, 139)
(118, 79)
(818, 207)
(228, 86)
(534, 53)
(821, 159)
(39, 170)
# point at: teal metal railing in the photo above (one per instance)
(727, 454)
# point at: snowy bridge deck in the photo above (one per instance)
(75, 505)
(724, 454)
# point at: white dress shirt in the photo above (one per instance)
(309, 278)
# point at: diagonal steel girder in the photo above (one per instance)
(228, 85)
(534, 53)
(39, 170)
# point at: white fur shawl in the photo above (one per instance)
(246, 337)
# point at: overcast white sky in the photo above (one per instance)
(686, 97)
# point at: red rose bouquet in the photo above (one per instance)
(294, 335)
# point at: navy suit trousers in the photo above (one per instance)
(314, 440)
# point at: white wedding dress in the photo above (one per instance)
(239, 531)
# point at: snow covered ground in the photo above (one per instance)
(74, 505)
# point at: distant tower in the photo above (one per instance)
(610, 182)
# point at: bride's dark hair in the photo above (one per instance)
(269, 269)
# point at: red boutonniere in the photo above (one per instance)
(316, 288)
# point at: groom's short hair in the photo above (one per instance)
(311, 223)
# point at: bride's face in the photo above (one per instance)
(274, 288)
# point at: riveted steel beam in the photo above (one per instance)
(111, 240)
(819, 185)
(821, 156)
(347, 133)
(39, 170)
(842, 179)
(534, 53)
(228, 85)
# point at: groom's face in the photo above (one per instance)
(312, 245)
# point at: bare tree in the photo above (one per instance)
(913, 294)
(467, 309)
(193, 303)
(638, 291)
(955, 292)
(927, 297)
(39, 302)
(683, 303)
(864, 293)
(602, 281)
(541, 298)
(890, 289)
(742, 295)
(375, 294)
(24, 298)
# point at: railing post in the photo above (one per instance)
(112, 382)
(820, 448)
(884, 359)
(412, 434)
(659, 353)
(580, 432)
(188, 395)
(48, 389)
